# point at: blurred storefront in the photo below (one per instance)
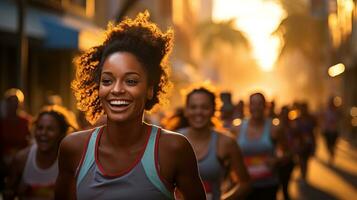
(54, 32)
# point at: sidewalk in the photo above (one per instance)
(328, 182)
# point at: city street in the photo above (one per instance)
(270, 72)
(328, 182)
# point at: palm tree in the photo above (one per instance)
(303, 32)
(210, 32)
(308, 35)
(225, 53)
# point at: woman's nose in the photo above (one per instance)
(198, 111)
(41, 131)
(118, 88)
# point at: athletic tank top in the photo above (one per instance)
(141, 181)
(37, 183)
(256, 153)
(210, 168)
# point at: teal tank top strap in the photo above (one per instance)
(214, 140)
(243, 131)
(267, 130)
(149, 164)
(267, 133)
(89, 156)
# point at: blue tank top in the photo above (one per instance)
(140, 182)
(256, 153)
(210, 168)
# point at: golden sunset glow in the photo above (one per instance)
(337, 101)
(90, 8)
(353, 112)
(237, 122)
(257, 19)
(354, 121)
(293, 114)
(340, 21)
(276, 122)
(16, 92)
(336, 70)
(177, 16)
(88, 39)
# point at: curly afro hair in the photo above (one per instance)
(140, 37)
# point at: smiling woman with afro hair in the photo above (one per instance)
(139, 37)
(126, 158)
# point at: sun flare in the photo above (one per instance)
(257, 19)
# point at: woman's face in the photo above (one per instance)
(123, 88)
(199, 110)
(256, 107)
(48, 133)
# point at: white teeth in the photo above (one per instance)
(119, 103)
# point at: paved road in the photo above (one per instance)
(328, 182)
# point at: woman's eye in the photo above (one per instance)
(132, 82)
(192, 107)
(206, 107)
(106, 81)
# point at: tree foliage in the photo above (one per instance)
(210, 32)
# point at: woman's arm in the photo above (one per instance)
(66, 183)
(278, 139)
(69, 156)
(178, 166)
(187, 176)
(231, 153)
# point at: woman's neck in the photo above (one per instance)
(124, 134)
(200, 133)
(46, 159)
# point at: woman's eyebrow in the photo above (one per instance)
(132, 73)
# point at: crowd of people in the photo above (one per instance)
(271, 144)
(209, 149)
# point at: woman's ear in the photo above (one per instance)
(150, 93)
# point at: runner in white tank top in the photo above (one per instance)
(35, 169)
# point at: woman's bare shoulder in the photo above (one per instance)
(225, 137)
(173, 140)
(175, 150)
(77, 139)
(227, 144)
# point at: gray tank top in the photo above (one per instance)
(142, 181)
(210, 169)
(38, 183)
(256, 154)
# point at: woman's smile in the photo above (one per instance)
(119, 105)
